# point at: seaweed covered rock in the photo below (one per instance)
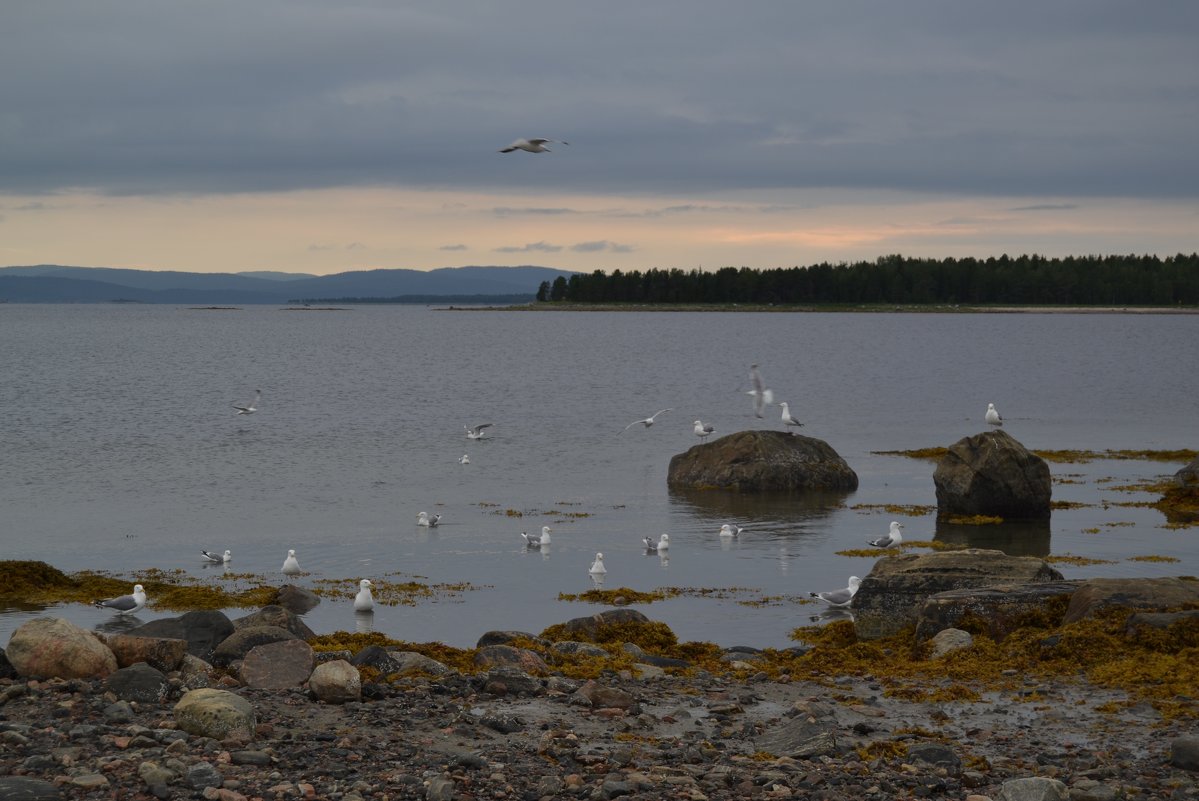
(992, 474)
(892, 594)
(215, 713)
(50, 647)
(762, 461)
(1150, 594)
(1180, 503)
(999, 610)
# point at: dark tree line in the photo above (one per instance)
(1023, 280)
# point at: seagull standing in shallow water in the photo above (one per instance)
(839, 597)
(703, 430)
(537, 540)
(730, 531)
(892, 537)
(364, 601)
(787, 418)
(250, 407)
(464, 460)
(218, 559)
(534, 145)
(291, 565)
(597, 567)
(992, 416)
(426, 519)
(125, 604)
(647, 422)
(661, 546)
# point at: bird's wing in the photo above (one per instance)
(837, 596)
(481, 426)
(660, 411)
(121, 604)
(540, 141)
(630, 425)
(507, 149)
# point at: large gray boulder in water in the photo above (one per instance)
(992, 474)
(762, 461)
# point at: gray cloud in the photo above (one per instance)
(601, 245)
(1047, 207)
(1077, 97)
(453, 247)
(508, 211)
(531, 247)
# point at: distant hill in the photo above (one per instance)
(50, 283)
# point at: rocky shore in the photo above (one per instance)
(267, 716)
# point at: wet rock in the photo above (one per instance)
(440, 788)
(202, 630)
(762, 461)
(1184, 752)
(297, 599)
(409, 662)
(506, 655)
(992, 474)
(7, 671)
(160, 653)
(578, 648)
(1000, 607)
(1188, 476)
(1158, 620)
(1035, 788)
(335, 682)
(897, 587)
(195, 673)
(1133, 593)
(800, 737)
(503, 637)
(242, 641)
(947, 641)
(1091, 790)
(937, 755)
(589, 626)
(277, 665)
(507, 680)
(276, 615)
(202, 775)
(215, 713)
(139, 682)
(19, 788)
(50, 647)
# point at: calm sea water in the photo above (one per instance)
(120, 450)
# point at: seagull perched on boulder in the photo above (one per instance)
(992, 416)
(703, 430)
(535, 145)
(787, 418)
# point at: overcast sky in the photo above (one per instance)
(328, 136)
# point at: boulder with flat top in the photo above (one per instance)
(762, 461)
(994, 475)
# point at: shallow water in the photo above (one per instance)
(121, 450)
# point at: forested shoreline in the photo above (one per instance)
(1022, 280)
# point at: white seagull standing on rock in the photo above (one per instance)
(364, 601)
(787, 417)
(839, 597)
(892, 537)
(535, 145)
(218, 559)
(993, 417)
(703, 430)
(125, 604)
(291, 565)
(250, 407)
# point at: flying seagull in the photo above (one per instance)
(993, 415)
(763, 397)
(291, 566)
(426, 519)
(537, 540)
(891, 538)
(477, 432)
(536, 145)
(787, 417)
(703, 430)
(647, 422)
(125, 604)
(839, 597)
(364, 601)
(250, 407)
(218, 559)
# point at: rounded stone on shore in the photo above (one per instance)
(215, 713)
(335, 682)
(50, 647)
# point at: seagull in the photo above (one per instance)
(291, 565)
(537, 540)
(763, 397)
(250, 407)
(364, 601)
(597, 567)
(661, 546)
(993, 415)
(425, 519)
(839, 597)
(125, 604)
(218, 559)
(464, 460)
(786, 416)
(730, 531)
(703, 430)
(647, 422)
(477, 432)
(536, 145)
(893, 537)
